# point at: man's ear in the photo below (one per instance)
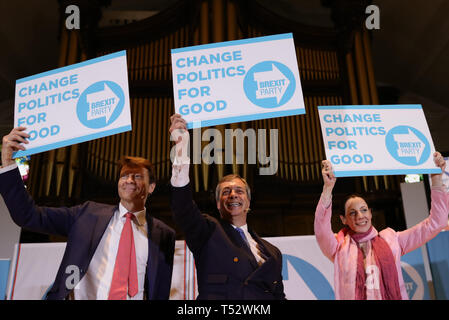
(151, 187)
(343, 219)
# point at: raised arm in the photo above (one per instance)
(21, 206)
(424, 231)
(186, 214)
(322, 224)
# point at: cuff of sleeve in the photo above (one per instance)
(8, 168)
(180, 175)
(178, 161)
(442, 188)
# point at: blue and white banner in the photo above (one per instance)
(236, 81)
(438, 249)
(73, 104)
(377, 140)
(33, 270)
(414, 275)
(307, 273)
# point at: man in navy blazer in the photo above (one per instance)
(232, 261)
(91, 230)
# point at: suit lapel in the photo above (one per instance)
(238, 241)
(103, 216)
(262, 247)
(154, 238)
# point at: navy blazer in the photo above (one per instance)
(226, 267)
(84, 226)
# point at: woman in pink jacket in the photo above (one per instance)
(366, 262)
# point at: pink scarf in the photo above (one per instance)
(351, 264)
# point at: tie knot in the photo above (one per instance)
(129, 215)
(242, 233)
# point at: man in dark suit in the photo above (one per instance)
(232, 261)
(95, 241)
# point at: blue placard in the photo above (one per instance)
(235, 81)
(73, 104)
(371, 140)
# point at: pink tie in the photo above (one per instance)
(125, 269)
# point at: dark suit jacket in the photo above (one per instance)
(226, 268)
(84, 225)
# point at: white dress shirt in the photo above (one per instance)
(96, 282)
(252, 244)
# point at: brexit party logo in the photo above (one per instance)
(413, 282)
(100, 104)
(301, 276)
(294, 268)
(269, 84)
(407, 145)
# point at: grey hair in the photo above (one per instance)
(231, 177)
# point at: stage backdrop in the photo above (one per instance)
(9, 235)
(307, 273)
(438, 249)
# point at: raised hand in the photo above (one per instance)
(437, 179)
(179, 134)
(328, 177)
(12, 143)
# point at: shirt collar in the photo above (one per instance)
(140, 216)
(244, 227)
